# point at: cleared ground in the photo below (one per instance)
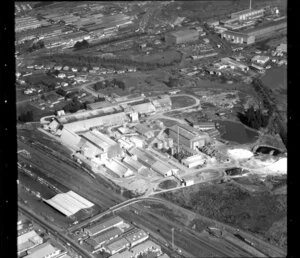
(182, 101)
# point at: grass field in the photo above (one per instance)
(168, 184)
(182, 101)
(256, 212)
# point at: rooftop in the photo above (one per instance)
(105, 236)
(185, 32)
(117, 245)
(69, 203)
(105, 225)
(42, 250)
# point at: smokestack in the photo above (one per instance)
(250, 7)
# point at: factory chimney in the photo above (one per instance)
(250, 7)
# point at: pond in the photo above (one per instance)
(236, 132)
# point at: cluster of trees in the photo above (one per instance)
(73, 106)
(254, 118)
(45, 81)
(81, 44)
(29, 46)
(109, 84)
(173, 82)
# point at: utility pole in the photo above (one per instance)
(173, 238)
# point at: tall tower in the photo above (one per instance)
(250, 7)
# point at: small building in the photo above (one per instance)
(282, 48)
(61, 75)
(137, 141)
(234, 64)
(212, 23)
(260, 59)
(193, 161)
(105, 225)
(182, 36)
(117, 246)
(144, 130)
(66, 68)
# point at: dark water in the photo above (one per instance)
(275, 78)
(236, 132)
(267, 150)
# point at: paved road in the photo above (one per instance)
(54, 231)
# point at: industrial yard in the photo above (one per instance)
(151, 129)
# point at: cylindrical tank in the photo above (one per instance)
(166, 145)
(170, 142)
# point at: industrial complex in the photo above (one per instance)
(136, 120)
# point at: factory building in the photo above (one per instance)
(144, 108)
(103, 142)
(69, 203)
(201, 125)
(144, 158)
(69, 138)
(134, 164)
(97, 241)
(182, 36)
(187, 136)
(28, 240)
(248, 14)
(136, 236)
(100, 227)
(117, 246)
(44, 250)
(251, 35)
(194, 161)
(144, 130)
(238, 37)
(109, 120)
(163, 168)
(118, 168)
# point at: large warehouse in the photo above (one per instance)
(248, 14)
(251, 35)
(238, 37)
(103, 142)
(187, 136)
(69, 203)
(182, 36)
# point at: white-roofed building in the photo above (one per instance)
(144, 130)
(69, 138)
(260, 59)
(28, 241)
(144, 108)
(193, 161)
(45, 250)
(69, 203)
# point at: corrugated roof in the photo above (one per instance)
(133, 163)
(161, 167)
(136, 235)
(104, 225)
(186, 32)
(117, 167)
(69, 203)
(42, 250)
(117, 245)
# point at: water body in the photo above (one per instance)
(275, 78)
(236, 132)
